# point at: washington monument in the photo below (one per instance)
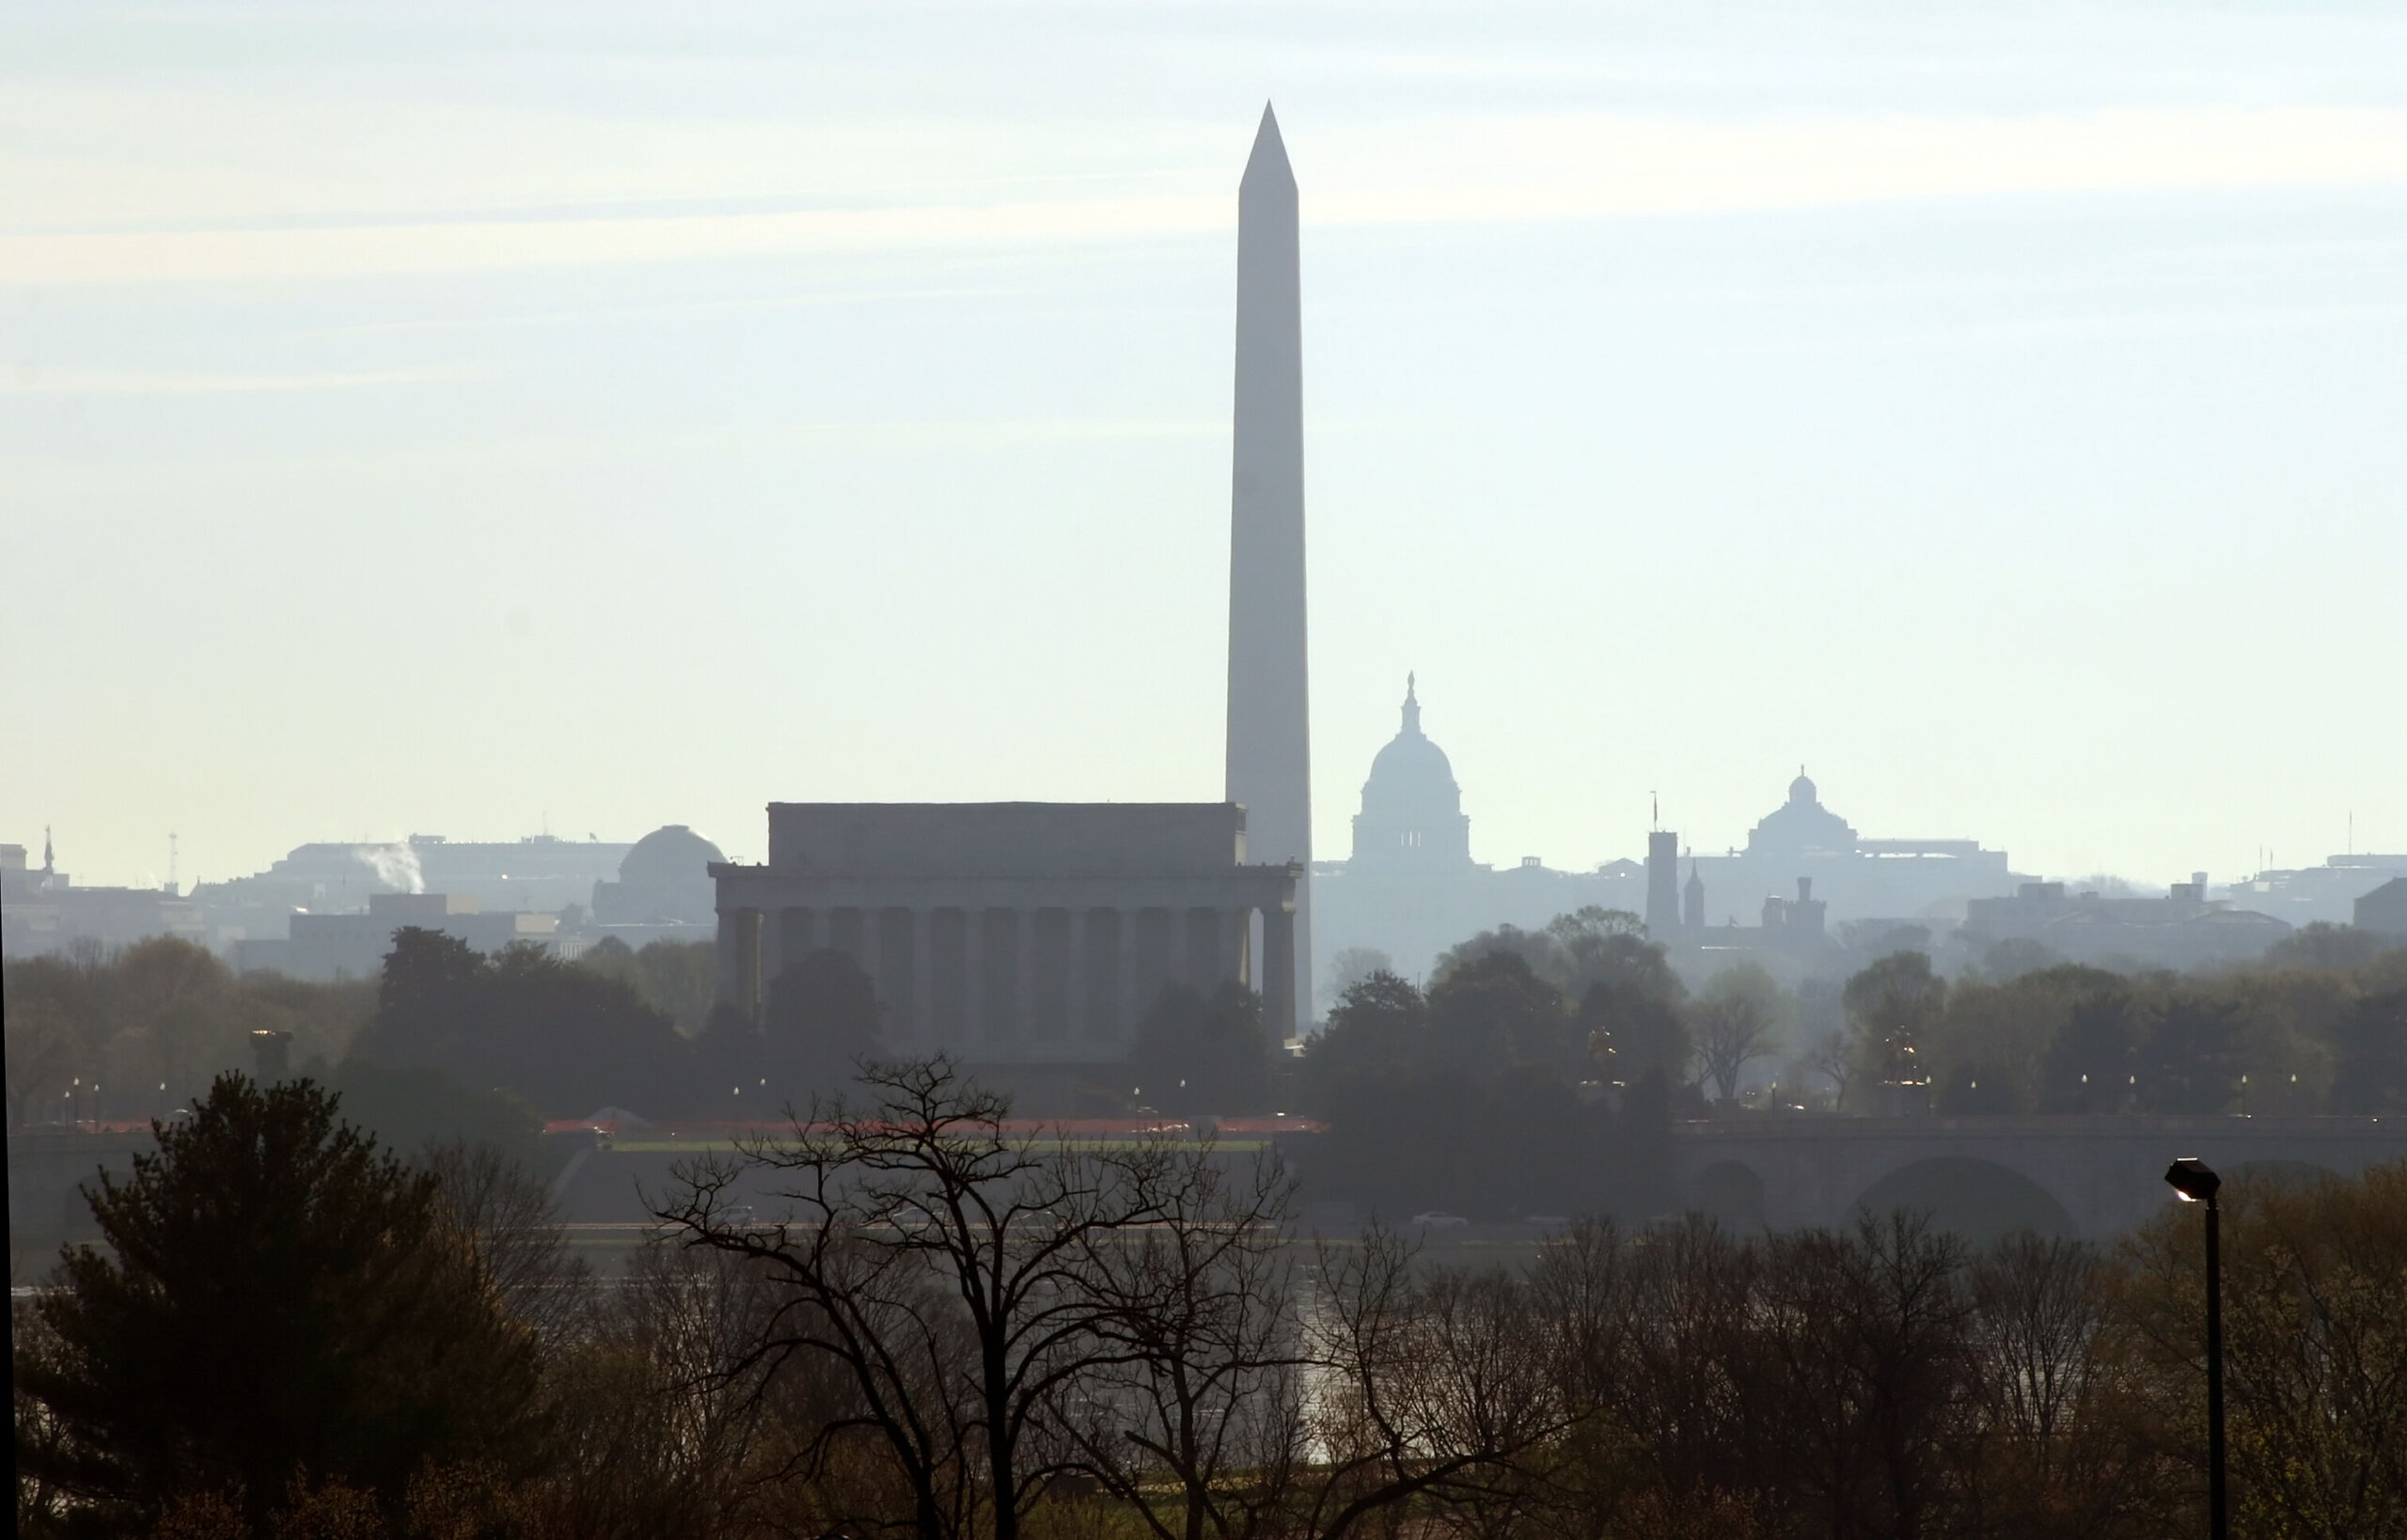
(1270, 747)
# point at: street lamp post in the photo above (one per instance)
(2195, 1183)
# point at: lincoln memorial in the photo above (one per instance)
(1013, 932)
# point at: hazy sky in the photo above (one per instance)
(458, 418)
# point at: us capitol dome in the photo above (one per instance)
(1412, 818)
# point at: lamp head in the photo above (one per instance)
(2192, 1180)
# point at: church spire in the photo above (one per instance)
(1412, 708)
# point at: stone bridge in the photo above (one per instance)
(2064, 1175)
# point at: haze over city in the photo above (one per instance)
(1045, 772)
(448, 421)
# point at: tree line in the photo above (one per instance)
(903, 1318)
(2318, 1025)
(1582, 1011)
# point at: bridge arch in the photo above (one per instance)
(1977, 1199)
(1731, 1193)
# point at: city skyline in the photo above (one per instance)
(394, 446)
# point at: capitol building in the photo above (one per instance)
(1410, 888)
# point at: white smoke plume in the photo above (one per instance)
(396, 866)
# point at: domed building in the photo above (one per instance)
(1412, 889)
(664, 880)
(1412, 818)
(1801, 826)
(1801, 848)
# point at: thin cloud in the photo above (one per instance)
(1571, 166)
(31, 380)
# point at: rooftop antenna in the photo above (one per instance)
(1657, 798)
(171, 861)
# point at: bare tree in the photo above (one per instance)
(1679, 1363)
(2040, 1311)
(1832, 1056)
(510, 1218)
(1204, 1390)
(942, 1261)
(1733, 1022)
(2055, 1455)
(1862, 1370)
(1430, 1390)
(661, 1430)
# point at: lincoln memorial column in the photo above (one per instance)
(973, 973)
(1024, 984)
(729, 990)
(1279, 976)
(923, 977)
(1123, 1016)
(1074, 988)
(1236, 927)
(748, 961)
(871, 945)
(794, 938)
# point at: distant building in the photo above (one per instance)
(2328, 892)
(42, 910)
(1014, 933)
(1411, 888)
(664, 888)
(1856, 878)
(1412, 820)
(1796, 925)
(539, 874)
(327, 949)
(2183, 929)
(2384, 911)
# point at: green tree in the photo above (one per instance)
(1991, 1047)
(1203, 1053)
(155, 1023)
(679, 979)
(429, 986)
(821, 1016)
(1352, 965)
(2089, 1065)
(1594, 943)
(1493, 1011)
(567, 1038)
(410, 1108)
(2313, 1320)
(1570, 951)
(2371, 1041)
(2189, 1059)
(277, 1297)
(1894, 1004)
(1377, 1023)
(1632, 1010)
(2326, 946)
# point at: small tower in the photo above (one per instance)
(1662, 885)
(1693, 901)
